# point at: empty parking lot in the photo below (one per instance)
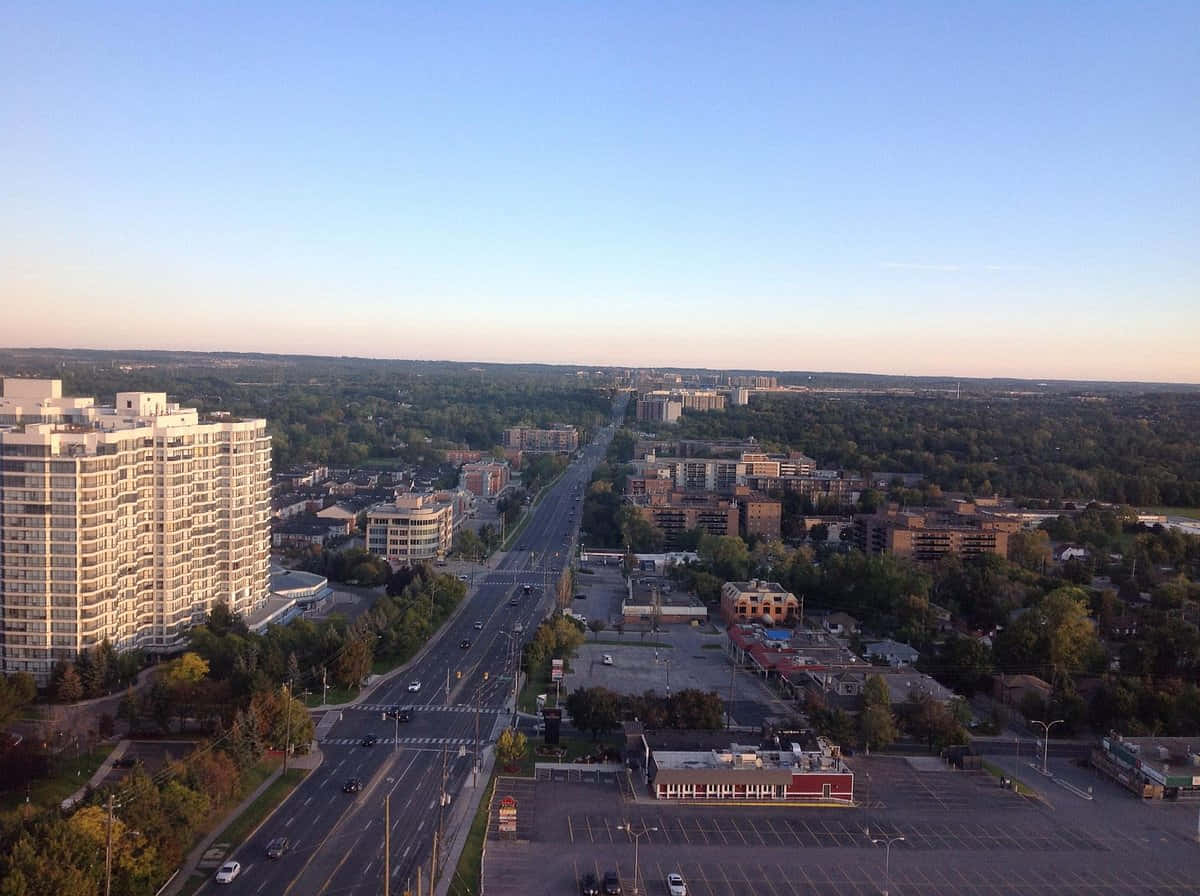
(962, 834)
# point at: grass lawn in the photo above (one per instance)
(334, 695)
(996, 772)
(534, 685)
(470, 862)
(242, 826)
(70, 774)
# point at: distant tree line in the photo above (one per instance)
(1135, 449)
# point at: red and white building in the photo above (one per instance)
(797, 773)
(485, 479)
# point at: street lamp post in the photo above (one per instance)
(637, 836)
(1046, 726)
(887, 859)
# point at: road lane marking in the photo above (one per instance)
(288, 823)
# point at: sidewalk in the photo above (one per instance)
(98, 777)
(461, 819)
(191, 864)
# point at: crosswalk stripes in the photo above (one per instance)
(404, 741)
(380, 707)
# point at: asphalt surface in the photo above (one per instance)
(337, 838)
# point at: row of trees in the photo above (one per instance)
(599, 710)
(921, 717)
(94, 673)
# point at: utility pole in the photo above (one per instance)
(287, 708)
(324, 687)
(387, 843)
(729, 702)
(108, 850)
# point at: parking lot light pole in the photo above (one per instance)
(637, 836)
(1046, 726)
(887, 859)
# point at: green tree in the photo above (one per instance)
(511, 747)
(877, 727)
(876, 693)
(353, 664)
(726, 555)
(190, 668)
(68, 688)
(597, 625)
(593, 709)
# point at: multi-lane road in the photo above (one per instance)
(337, 838)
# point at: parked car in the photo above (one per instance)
(675, 884)
(277, 847)
(353, 785)
(227, 872)
(612, 884)
(414, 686)
(589, 886)
(465, 643)
(464, 578)
(370, 740)
(479, 625)
(607, 659)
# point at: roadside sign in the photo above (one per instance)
(556, 670)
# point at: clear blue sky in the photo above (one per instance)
(958, 188)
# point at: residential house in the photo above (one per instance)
(892, 652)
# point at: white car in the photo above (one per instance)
(414, 686)
(228, 872)
(675, 884)
(607, 659)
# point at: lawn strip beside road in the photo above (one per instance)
(470, 863)
(69, 775)
(1020, 786)
(244, 826)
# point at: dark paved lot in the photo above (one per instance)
(963, 834)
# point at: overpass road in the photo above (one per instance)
(337, 838)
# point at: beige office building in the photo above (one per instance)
(414, 529)
(127, 522)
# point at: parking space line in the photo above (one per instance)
(683, 831)
(608, 828)
(754, 831)
(733, 824)
(725, 877)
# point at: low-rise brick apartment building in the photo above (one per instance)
(675, 512)
(560, 438)
(485, 479)
(929, 534)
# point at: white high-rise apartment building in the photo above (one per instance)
(127, 522)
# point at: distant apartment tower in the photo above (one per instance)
(560, 438)
(659, 409)
(755, 382)
(413, 529)
(126, 523)
(485, 479)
